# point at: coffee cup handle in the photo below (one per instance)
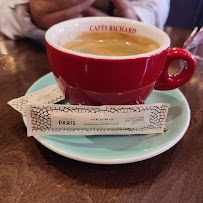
(167, 81)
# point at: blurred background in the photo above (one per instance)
(186, 14)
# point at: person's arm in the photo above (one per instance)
(153, 12)
(15, 21)
(45, 13)
(30, 18)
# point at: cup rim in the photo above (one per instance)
(57, 27)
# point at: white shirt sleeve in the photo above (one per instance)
(15, 21)
(153, 12)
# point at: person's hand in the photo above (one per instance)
(45, 13)
(124, 8)
(92, 11)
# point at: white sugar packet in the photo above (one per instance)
(48, 95)
(95, 120)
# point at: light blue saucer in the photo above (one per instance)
(121, 149)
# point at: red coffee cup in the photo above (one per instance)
(113, 80)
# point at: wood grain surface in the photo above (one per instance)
(29, 172)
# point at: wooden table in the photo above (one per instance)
(32, 173)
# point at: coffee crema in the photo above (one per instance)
(111, 43)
